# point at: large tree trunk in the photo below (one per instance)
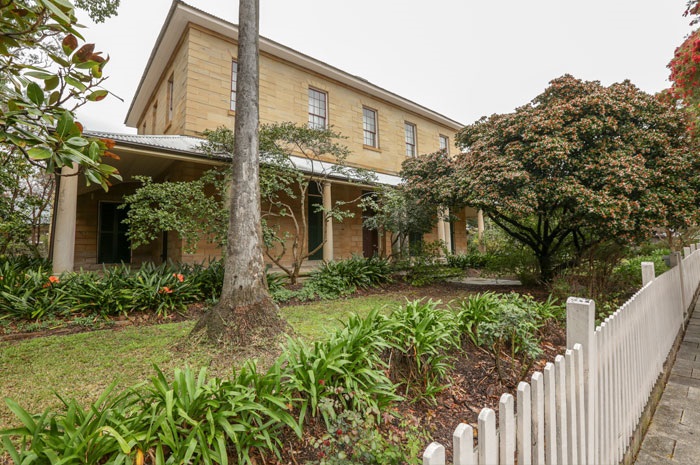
(245, 311)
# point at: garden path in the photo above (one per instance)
(674, 433)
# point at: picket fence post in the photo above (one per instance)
(580, 329)
(648, 273)
(463, 445)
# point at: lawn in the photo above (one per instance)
(83, 365)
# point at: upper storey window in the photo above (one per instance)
(171, 100)
(318, 109)
(234, 78)
(445, 143)
(410, 133)
(369, 126)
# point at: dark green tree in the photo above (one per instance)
(581, 164)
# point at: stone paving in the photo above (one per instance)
(674, 433)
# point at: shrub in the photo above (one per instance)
(111, 294)
(354, 439)
(343, 372)
(30, 294)
(425, 274)
(421, 338)
(509, 323)
(467, 260)
(193, 419)
(628, 273)
(338, 279)
(473, 312)
(27, 293)
(353, 273)
(207, 280)
(102, 433)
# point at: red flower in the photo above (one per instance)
(179, 277)
(165, 290)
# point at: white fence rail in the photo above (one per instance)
(585, 406)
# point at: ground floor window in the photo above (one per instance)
(113, 245)
(415, 243)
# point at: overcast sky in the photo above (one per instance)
(461, 58)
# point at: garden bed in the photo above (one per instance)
(470, 385)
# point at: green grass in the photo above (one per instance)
(82, 365)
(316, 320)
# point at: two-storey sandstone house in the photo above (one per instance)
(188, 86)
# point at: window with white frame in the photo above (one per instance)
(369, 126)
(171, 100)
(410, 137)
(234, 78)
(445, 143)
(318, 109)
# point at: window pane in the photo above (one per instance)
(410, 137)
(234, 78)
(444, 143)
(317, 109)
(369, 125)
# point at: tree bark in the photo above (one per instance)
(245, 312)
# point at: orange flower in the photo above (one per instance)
(165, 290)
(179, 277)
(52, 280)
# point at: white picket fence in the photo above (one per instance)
(585, 406)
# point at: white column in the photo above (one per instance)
(328, 225)
(480, 230)
(446, 226)
(65, 214)
(440, 226)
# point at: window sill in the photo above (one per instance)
(373, 149)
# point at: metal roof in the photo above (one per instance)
(191, 146)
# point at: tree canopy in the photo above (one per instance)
(196, 209)
(46, 75)
(685, 66)
(580, 164)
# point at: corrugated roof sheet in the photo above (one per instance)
(191, 146)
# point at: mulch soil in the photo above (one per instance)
(472, 385)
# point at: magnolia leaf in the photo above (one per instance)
(69, 44)
(53, 98)
(59, 15)
(59, 60)
(83, 54)
(97, 95)
(65, 124)
(39, 153)
(35, 94)
(77, 141)
(75, 83)
(43, 75)
(51, 83)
